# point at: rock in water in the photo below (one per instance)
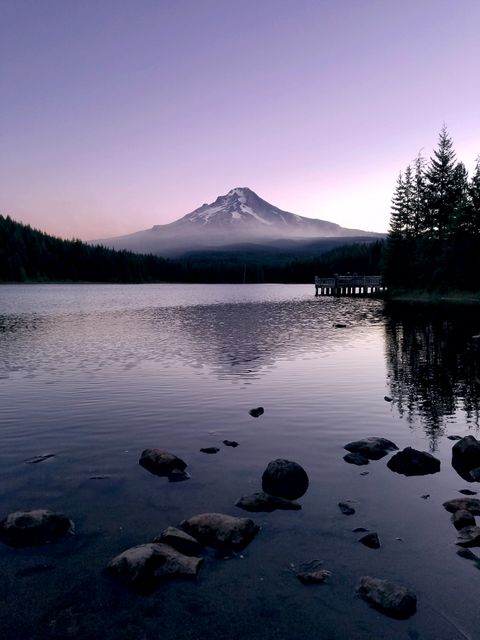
(144, 566)
(285, 479)
(41, 458)
(469, 537)
(467, 492)
(466, 458)
(230, 443)
(210, 450)
(346, 509)
(462, 518)
(387, 398)
(256, 413)
(264, 502)
(221, 531)
(465, 504)
(411, 462)
(40, 526)
(314, 577)
(388, 597)
(371, 540)
(180, 541)
(454, 437)
(160, 463)
(371, 448)
(356, 458)
(178, 476)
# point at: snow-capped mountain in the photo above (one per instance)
(239, 216)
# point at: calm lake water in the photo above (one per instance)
(96, 373)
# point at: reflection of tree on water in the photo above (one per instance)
(432, 364)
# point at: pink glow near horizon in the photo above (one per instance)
(119, 115)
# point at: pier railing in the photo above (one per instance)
(348, 285)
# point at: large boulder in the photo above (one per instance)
(265, 502)
(285, 479)
(160, 463)
(145, 565)
(464, 504)
(371, 448)
(180, 541)
(411, 462)
(39, 526)
(466, 458)
(221, 531)
(389, 598)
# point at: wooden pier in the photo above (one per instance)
(349, 286)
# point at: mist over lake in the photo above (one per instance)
(95, 374)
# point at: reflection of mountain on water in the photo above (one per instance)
(432, 363)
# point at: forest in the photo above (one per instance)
(28, 255)
(434, 237)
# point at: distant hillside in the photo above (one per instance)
(28, 255)
(240, 216)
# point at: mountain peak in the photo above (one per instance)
(240, 191)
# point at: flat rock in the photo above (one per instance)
(41, 458)
(180, 541)
(210, 450)
(221, 531)
(370, 540)
(389, 598)
(359, 530)
(265, 502)
(160, 463)
(462, 518)
(469, 537)
(39, 526)
(466, 458)
(467, 492)
(314, 577)
(454, 437)
(356, 458)
(371, 448)
(145, 565)
(465, 504)
(177, 475)
(285, 479)
(230, 443)
(346, 509)
(257, 412)
(411, 462)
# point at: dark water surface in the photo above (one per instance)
(95, 374)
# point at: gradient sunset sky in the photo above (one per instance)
(117, 115)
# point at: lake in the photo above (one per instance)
(94, 374)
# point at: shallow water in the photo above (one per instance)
(96, 373)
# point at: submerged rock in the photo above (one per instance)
(160, 463)
(466, 504)
(370, 540)
(356, 458)
(454, 437)
(42, 458)
(230, 443)
(462, 518)
(177, 475)
(359, 530)
(221, 531)
(180, 541)
(34, 570)
(467, 492)
(469, 537)
(411, 462)
(39, 526)
(346, 509)
(466, 458)
(389, 598)
(372, 448)
(265, 502)
(314, 577)
(145, 565)
(285, 479)
(210, 450)
(256, 413)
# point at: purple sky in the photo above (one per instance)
(116, 115)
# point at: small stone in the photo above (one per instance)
(160, 463)
(359, 530)
(467, 504)
(99, 477)
(180, 541)
(411, 462)
(467, 492)
(469, 537)
(177, 475)
(388, 399)
(425, 496)
(265, 502)
(462, 518)
(370, 540)
(221, 531)
(388, 597)
(340, 325)
(356, 458)
(346, 509)
(230, 443)
(314, 577)
(36, 527)
(37, 459)
(285, 479)
(210, 450)
(364, 473)
(372, 448)
(454, 437)
(256, 413)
